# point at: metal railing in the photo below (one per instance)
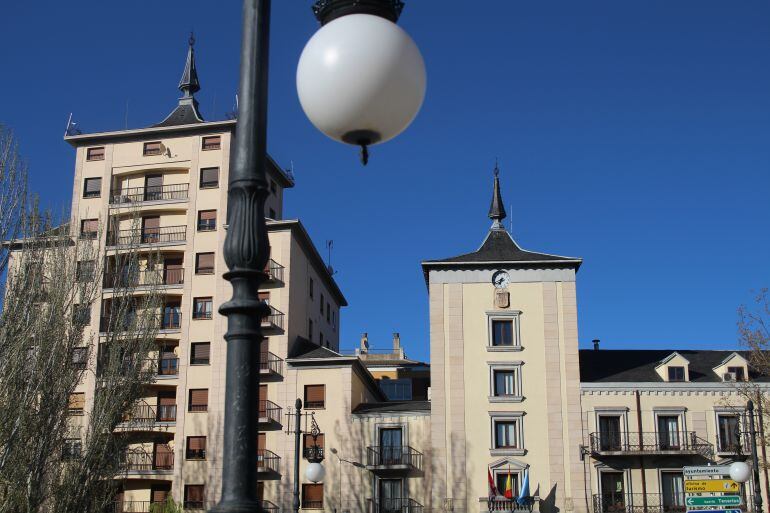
(269, 507)
(146, 416)
(133, 506)
(170, 320)
(392, 505)
(270, 364)
(274, 271)
(144, 277)
(650, 442)
(502, 504)
(393, 456)
(274, 320)
(735, 445)
(314, 452)
(153, 193)
(269, 411)
(142, 461)
(160, 235)
(267, 461)
(615, 502)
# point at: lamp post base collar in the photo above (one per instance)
(329, 10)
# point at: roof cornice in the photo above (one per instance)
(140, 133)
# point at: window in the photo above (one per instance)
(334, 319)
(204, 263)
(81, 314)
(502, 332)
(328, 312)
(312, 496)
(209, 177)
(85, 270)
(609, 432)
(307, 443)
(505, 383)
(92, 187)
(89, 228)
(71, 449)
(207, 220)
(729, 433)
(213, 142)
(77, 403)
(200, 353)
(738, 372)
(194, 496)
(669, 435)
(501, 481)
(272, 214)
(196, 448)
(397, 389)
(202, 308)
(676, 373)
(506, 434)
(79, 357)
(320, 338)
(672, 485)
(310, 288)
(199, 400)
(152, 148)
(310, 329)
(96, 153)
(322, 304)
(314, 396)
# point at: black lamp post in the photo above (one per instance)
(754, 459)
(385, 110)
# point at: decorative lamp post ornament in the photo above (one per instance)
(361, 78)
(740, 472)
(315, 472)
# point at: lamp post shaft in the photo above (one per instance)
(297, 433)
(754, 459)
(246, 252)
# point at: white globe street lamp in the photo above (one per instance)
(740, 472)
(315, 472)
(361, 80)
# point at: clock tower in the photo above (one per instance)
(504, 376)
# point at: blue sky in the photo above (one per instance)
(635, 135)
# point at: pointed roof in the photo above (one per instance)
(496, 209)
(186, 112)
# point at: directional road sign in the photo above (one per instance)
(724, 500)
(709, 470)
(736, 510)
(711, 485)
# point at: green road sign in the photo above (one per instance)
(725, 500)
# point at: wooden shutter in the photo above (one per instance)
(151, 181)
(196, 443)
(264, 296)
(164, 456)
(312, 495)
(205, 263)
(166, 398)
(159, 494)
(199, 399)
(152, 148)
(193, 493)
(211, 143)
(263, 350)
(314, 396)
(260, 491)
(207, 215)
(209, 177)
(151, 222)
(173, 272)
(201, 351)
(95, 153)
(308, 441)
(93, 187)
(262, 392)
(261, 442)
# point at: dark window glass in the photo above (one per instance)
(213, 142)
(207, 220)
(200, 353)
(196, 448)
(209, 177)
(202, 308)
(89, 228)
(502, 333)
(204, 263)
(152, 148)
(676, 373)
(199, 400)
(315, 396)
(95, 153)
(92, 187)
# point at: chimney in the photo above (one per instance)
(596, 344)
(396, 342)
(365, 343)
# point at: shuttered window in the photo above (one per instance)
(202, 308)
(209, 177)
(207, 220)
(199, 400)
(92, 187)
(204, 263)
(194, 497)
(164, 457)
(196, 448)
(89, 228)
(307, 444)
(79, 357)
(96, 153)
(314, 396)
(313, 496)
(152, 148)
(166, 406)
(213, 142)
(85, 270)
(200, 353)
(159, 495)
(77, 402)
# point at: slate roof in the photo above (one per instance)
(392, 406)
(305, 349)
(638, 365)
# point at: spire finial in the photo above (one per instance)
(189, 83)
(497, 210)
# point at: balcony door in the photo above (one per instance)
(153, 187)
(172, 271)
(159, 492)
(613, 492)
(391, 446)
(262, 399)
(169, 363)
(609, 432)
(668, 432)
(150, 229)
(171, 316)
(166, 406)
(672, 485)
(390, 500)
(163, 458)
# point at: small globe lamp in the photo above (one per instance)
(740, 472)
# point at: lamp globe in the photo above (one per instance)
(315, 472)
(740, 472)
(361, 79)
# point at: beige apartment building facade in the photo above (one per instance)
(507, 392)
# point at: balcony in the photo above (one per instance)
(144, 279)
(269, 507)
(269, 413)
(140, 461)
(147, 236)
(135, 195)
(274, 272)
(164, 367)
(662, 443)
(168, 321)
(270, 366)
(638, 503)
(144, 417)
(267, 462)
(273, 323)
(397, 505)
(134, 506)
(393, 459)
(508, 505)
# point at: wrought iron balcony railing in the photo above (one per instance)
(662, 442)
(269, 412)
(393, 505)
(614, 502)
(169, 320)
(154, 193)
(161, 235)
(267, 461)
(142, 461)
(144, 278)
(134, 507)
(270, 364)
(274, 272)
(144, 416)
(393, 457)
(502, 504)
(274, 321)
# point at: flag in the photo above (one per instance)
(523, 497)
(492, 487)
(508, 487)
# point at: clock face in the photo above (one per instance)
(501, 279)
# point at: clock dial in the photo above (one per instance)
(501, 279)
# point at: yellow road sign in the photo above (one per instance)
(711, 485)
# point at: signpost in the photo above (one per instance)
(708, 489)
(711, 485)
(700, 502)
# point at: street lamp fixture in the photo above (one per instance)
(361, 114)
(740, 471)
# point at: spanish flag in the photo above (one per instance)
(508, 487)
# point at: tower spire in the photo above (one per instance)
(497, 210)
(186, 112)
(189, 83)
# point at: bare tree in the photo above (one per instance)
(13, 190)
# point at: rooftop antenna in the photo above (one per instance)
(72, 128)
(329, 246)
(234, 113)
(214, 106)
(510, 209)
(126, 116)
